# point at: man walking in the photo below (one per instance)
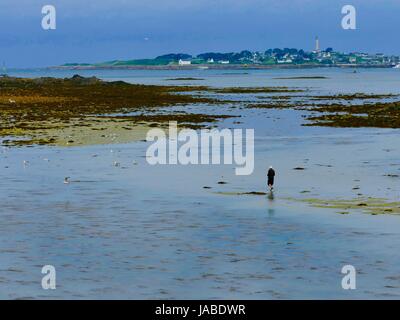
(271, 176)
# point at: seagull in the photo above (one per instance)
(66, 180)
(116, 164)
(26, 163)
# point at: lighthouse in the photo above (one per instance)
(317, 45)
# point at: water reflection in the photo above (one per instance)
(271, 212)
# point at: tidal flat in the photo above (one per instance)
(369, 205)
(137, 231)
(63, 111)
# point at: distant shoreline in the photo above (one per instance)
(218, 67)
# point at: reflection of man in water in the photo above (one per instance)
(271, 176)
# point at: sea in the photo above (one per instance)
(141, 231)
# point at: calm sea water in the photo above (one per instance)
(143, 232)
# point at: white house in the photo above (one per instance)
(184, 62)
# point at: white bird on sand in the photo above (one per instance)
(66, 180)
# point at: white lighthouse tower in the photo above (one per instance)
(317, 48)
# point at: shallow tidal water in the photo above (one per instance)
(145, 232)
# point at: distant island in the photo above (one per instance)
(271, 58)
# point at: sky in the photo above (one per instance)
(103, 30)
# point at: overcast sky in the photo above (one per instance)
(101, 30)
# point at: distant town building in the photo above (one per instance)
(224, 61)
(284, 61)
(184, 62)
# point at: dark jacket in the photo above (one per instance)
(271, 173)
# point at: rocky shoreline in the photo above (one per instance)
(215, 67)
